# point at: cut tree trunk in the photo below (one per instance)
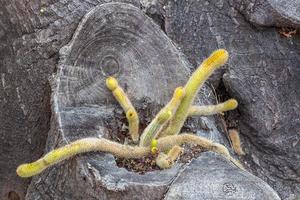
(112, 39)
(119, 40)
(31, 34)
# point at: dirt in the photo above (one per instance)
(145, 164)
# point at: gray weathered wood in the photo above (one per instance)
(31, 34)
(280, 13)
(149, 66)
(262, 73)
(233, 185)
(146, 63)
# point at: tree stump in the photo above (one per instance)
(118, 39)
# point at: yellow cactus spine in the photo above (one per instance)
(236, 141)
(165, 161)
(213, 109)
(153, 129)
(131, 114)
(214, 61)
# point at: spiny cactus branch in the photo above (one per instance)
(157, 124)
(119, 150)
(214, 61)
(131, 114)
(213, 109)
(77, 147)
(169, 141)
(236, 142)
(165, 161)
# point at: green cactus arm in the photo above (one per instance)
(119, 150)
(153, 129)
(174, 103)
(165, 161)
(214, 61)
(131, 114)
(213, 109)
(77, 147)
(169, 141)
(133, 124)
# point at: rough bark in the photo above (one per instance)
(233, 185)
(31, 34)
(120, 35)
(150, 67)
(280, 13)
(263, 74)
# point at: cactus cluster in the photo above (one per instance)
(161, 137)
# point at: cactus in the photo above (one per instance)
(213, 109)
(131, 114)
(236, 142)
(164, 115)
(81, 146)
(154, 148)
(214, 61)
(161, 135)
(165, 161)
(119, 150)
(169, 141)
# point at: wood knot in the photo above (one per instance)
(109, 66)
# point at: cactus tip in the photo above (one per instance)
(179, 92)
(29, 169)
(217, 58)
(231, 104)
(154, 148)
(20, 170)
(111, 83)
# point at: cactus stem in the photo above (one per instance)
(131, 114)
(153, 129)
(213, 109)
(214, 61)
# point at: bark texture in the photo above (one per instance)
(148, 65)
(279, 13)
(119, 40)
(111, 40)
(31, 34)
(233, 185)
(263, 74)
